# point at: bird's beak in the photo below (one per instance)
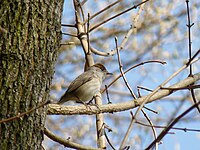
(109, 74)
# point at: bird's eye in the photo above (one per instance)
(103, 68)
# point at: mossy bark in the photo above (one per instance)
(29, 42)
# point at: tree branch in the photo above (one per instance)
(66, 143)
(55, 109)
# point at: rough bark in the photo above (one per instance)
(29, 43)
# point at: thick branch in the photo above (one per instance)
(109, 108)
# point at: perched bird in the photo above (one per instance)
(86, 85)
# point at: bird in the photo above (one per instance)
(86, 86)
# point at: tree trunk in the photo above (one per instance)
(29, 42)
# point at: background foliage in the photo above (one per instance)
(160, 33)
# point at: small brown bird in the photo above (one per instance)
(86, 85)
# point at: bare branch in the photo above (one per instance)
(165, 131)
(153, 128)
(100, 125)
(24, 113)
(164, 127)
(68, 25)
(142, 63)
(54, 109)
(66, 143)
(101, 11)
(122, 72)
(117, 15)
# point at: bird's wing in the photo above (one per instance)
(80, 80)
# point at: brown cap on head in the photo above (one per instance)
(102, 67)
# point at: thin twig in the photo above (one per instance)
(127, 132)
(88, 34)
(117, 15)
(82, 13)
(124, 41)
(194, 99)
(189, 25)
(109, 102)
(68, 25)
(165, 131)
(152, 126)
(107, 138)
(104, 9)
(132, 67)
(184, 88)
(144, 88)
(69, 34)
(195, 55)
(113, 52)
(151, 110)
(122, 72)
(164, 127)
(139, 95)
(83, 2)
(24, 113)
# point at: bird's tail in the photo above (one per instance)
(61, 101)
